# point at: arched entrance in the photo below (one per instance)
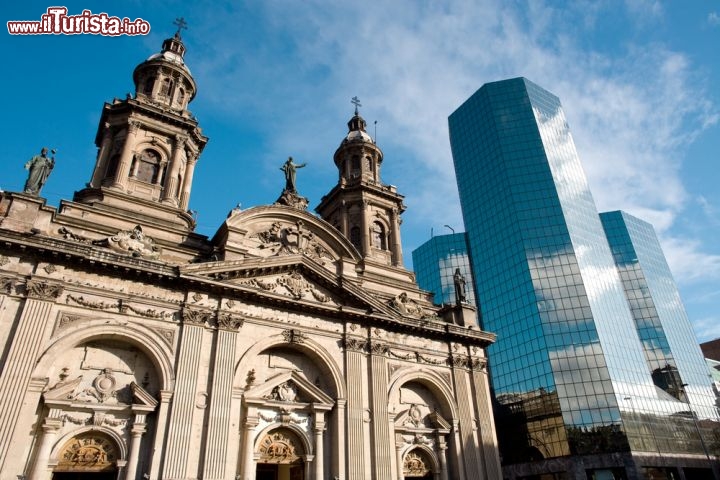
(87, 456)
(280, 456)
(417, 465)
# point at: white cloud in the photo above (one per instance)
(713, 18)
(412, 63)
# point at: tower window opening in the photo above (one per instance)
(181, 96)
(166, 87)
(355, 236)
(378, 236)
(148, 167)
(148, 87)
(355, 167)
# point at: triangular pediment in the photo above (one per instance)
(288, 388)
(290, 279)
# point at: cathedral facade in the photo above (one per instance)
(289, 346)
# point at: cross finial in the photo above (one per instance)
(356, 101)
(181, 24)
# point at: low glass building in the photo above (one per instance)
(435, 263)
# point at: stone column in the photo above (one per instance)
(400, 463)
(354, 348)
(483, 410)
(162, 419)
(319, 422)
(345, 208)
(170, 192)
(381, 431)
(102, 157)
(458, 450)
(123, 169)
(396, 246)
(50, 427)
(138, 429)
(365, 237)
(219, 419)
(183, 405)
(187, 181)
(25, 350)
(248, 465)
(338, 461)
(442, 452)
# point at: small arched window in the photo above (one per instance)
(378, 236)
(148, 166)
(181, 97)
(166, 87)
(355, 167)
(148, 87)
(355, 236)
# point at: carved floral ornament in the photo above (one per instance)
(43, 290)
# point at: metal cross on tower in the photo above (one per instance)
(181, 24)
(356, 101)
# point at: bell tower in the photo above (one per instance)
(149, 143)
(360, 206)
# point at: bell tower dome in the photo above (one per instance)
(149, 143)
(360, 206)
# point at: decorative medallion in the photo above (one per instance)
(414, 465)
(50, 268)
(88, 452)
(279, 447)
(105, 384)
(285, 392)
(4, 260)
(283, 239)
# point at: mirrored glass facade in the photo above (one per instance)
(435, 263)
(569, 370)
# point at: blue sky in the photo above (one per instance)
(638, 81)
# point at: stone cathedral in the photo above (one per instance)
(289, 346)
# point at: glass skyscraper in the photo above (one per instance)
(570, 369)
(435, 263)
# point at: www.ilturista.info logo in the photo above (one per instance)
(57, 22)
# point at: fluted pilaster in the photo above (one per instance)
(381, 432)
(354, 358)
(220, 405)
(25, 349)
(183, 404)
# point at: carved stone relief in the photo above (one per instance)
(90, 452)
(414, 465)
(293, 284)
(286, 239)
(132, 242)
